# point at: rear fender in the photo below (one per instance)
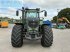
(48, 23)
(18, 24)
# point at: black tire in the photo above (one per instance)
(16, 37)
(47, 37)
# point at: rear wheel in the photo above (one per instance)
(47, 37)
(16, 37)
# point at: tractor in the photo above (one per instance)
(31, 27)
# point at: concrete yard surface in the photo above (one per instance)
(61, 42)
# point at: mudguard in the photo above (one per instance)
(47, 22)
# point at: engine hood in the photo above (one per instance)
(33, 22)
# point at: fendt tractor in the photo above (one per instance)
(32, 27)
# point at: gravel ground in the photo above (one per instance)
(61, 42)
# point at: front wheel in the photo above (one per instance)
(47, 37)
(16, 37)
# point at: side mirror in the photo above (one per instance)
(17, 13)
(45, 13)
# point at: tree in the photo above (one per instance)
(54, 19)
(64, 13)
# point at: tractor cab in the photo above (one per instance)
(31, 14)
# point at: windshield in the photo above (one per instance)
(32, 14)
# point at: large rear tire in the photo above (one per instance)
(16, 37)
(47, 37)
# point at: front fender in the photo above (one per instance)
(48, 23)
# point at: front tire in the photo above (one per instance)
(47, 37)
(16, 37)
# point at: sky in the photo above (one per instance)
(9, 7)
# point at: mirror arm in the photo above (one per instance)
(42, 10)
(19, 9)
